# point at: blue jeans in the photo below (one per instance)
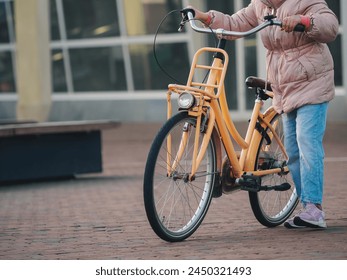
(304, 130)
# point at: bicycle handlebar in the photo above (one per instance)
(221, 32)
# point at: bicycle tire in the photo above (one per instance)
(176, 207)
(272, 208)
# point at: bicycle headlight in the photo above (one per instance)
(186, 100)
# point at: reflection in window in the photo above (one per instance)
(335, 48)
(148, 15)
(90, 18)
(335, 6)
(4, 36)
(55, 35)
(7, 83)
(58, 72)
(231, 79)
(250, 44)
(147, 75)
(98, 69)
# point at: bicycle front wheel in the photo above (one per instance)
(272, 208)
(174, 204)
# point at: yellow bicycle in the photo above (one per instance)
(193, 158)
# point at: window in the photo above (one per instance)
(107, 45)
(4, 34)
(250, 45)
(173, 58)
(83, 62)
(90, 18)
(336, 51)
(58, 71)
(7, 83)
(7, 78)
(98, 69)
(336, 46)
(148, 15)
(55, 34)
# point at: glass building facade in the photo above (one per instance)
(104, 48)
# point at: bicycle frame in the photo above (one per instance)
(212, 104)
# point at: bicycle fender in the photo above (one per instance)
(269, 114)
(218, 144)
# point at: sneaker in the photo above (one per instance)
(311, 217)
(290, 223)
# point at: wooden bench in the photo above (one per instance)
(36, 151)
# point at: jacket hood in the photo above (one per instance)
(273, 3)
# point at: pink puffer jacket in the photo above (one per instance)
(300, 66)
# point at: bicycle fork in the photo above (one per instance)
(199, 149)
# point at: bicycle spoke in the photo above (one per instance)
(177, 203)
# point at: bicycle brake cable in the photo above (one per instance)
(154, 47)
(180, 28)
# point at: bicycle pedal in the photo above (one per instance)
(249, 182)
(279, 188)
(283, 187)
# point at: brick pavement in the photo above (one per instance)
(102, 216)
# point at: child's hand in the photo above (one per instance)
(289, 23)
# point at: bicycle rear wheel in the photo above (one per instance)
(272, 208)
(175, 206)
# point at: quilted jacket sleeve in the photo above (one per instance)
(325, 24)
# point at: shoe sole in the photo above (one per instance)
(290, 226)
(300, 222)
